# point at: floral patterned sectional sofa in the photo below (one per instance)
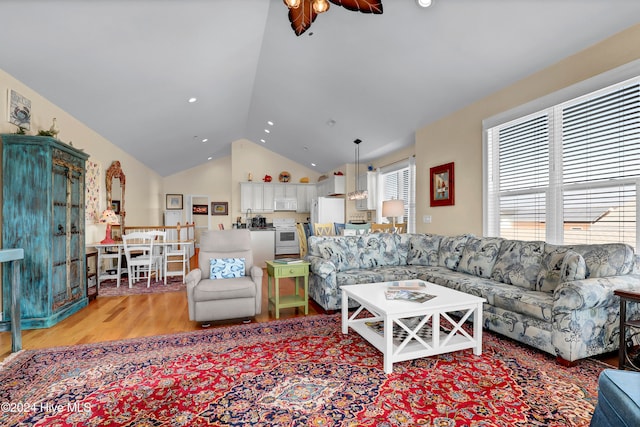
(558, 299)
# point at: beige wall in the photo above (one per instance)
(248, 157)
(458, 137)
(144, 198)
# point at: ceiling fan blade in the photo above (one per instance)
(364, 6)
(302, 17)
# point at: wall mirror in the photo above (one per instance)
(115, 182)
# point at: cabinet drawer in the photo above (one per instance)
(291, 270)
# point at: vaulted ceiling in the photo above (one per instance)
(127, 68)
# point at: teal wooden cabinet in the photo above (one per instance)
(43, 213)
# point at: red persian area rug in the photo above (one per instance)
(109, 288)
(295, 372)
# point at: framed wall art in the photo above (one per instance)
(442, 187)
(174, 201)
(19, 110)
(219, 208)
(115, 206)
(200, 210)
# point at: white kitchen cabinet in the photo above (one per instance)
(256, 196)
(333, 185)
(368, 181)
(285, 191)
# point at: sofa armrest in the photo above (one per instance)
(592, 293)
(320, 266)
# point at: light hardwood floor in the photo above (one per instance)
(115, 318)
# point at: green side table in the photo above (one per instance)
(277, 271)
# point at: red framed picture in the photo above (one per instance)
(442, 185)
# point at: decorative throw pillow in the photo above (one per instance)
(226, 268)
(423, 249)
(341, 251)
(479, 256)
(377, 249)
(451, 250)
(573, 267)
(519, 263)
(550, 267)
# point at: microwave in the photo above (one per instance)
(286, 204)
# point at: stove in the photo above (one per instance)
(287, 242)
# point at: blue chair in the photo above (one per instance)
(618, 399)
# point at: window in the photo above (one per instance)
(567, 173)
(397, 181)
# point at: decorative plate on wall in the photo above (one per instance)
(284, 176)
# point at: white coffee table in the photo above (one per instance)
(416, 320)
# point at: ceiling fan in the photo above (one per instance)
(302, 13)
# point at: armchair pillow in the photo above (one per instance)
(226, 268)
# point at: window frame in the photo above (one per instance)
(553, 105)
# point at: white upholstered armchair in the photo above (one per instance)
(227, 296)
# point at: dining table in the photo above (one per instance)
(115, 251)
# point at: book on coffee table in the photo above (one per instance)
(406, 295)
(288, 260)
(413, 285)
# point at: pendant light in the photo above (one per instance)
(358, 194)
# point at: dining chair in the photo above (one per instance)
(359, 228)
(159, 237)
(302, 240)
(382, 228)
(138, 250)
(324, 229)
(176, 261)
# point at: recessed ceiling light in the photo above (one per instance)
(205, 140)
(331, 123)
(270, 123)
(313, 164)
(192, 100)
(263, 141)
(424, 3)
(267, 131)
(209, 158)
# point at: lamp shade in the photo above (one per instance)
(393, 208)
(109, 217)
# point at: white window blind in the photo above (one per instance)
(398, 182)
(568, 174)
(601, 161)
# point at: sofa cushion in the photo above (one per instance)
(559, 264)
(226, 268)
(608, 259)
(403, 243)
(451, 248)
(423, 249)
(341, 251)
(357, 276)
(377, 249)
(519, 263)
(239, 287)
(479, 255)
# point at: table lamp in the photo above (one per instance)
(393, 208)
(110, 218)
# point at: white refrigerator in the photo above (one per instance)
(327, 209)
